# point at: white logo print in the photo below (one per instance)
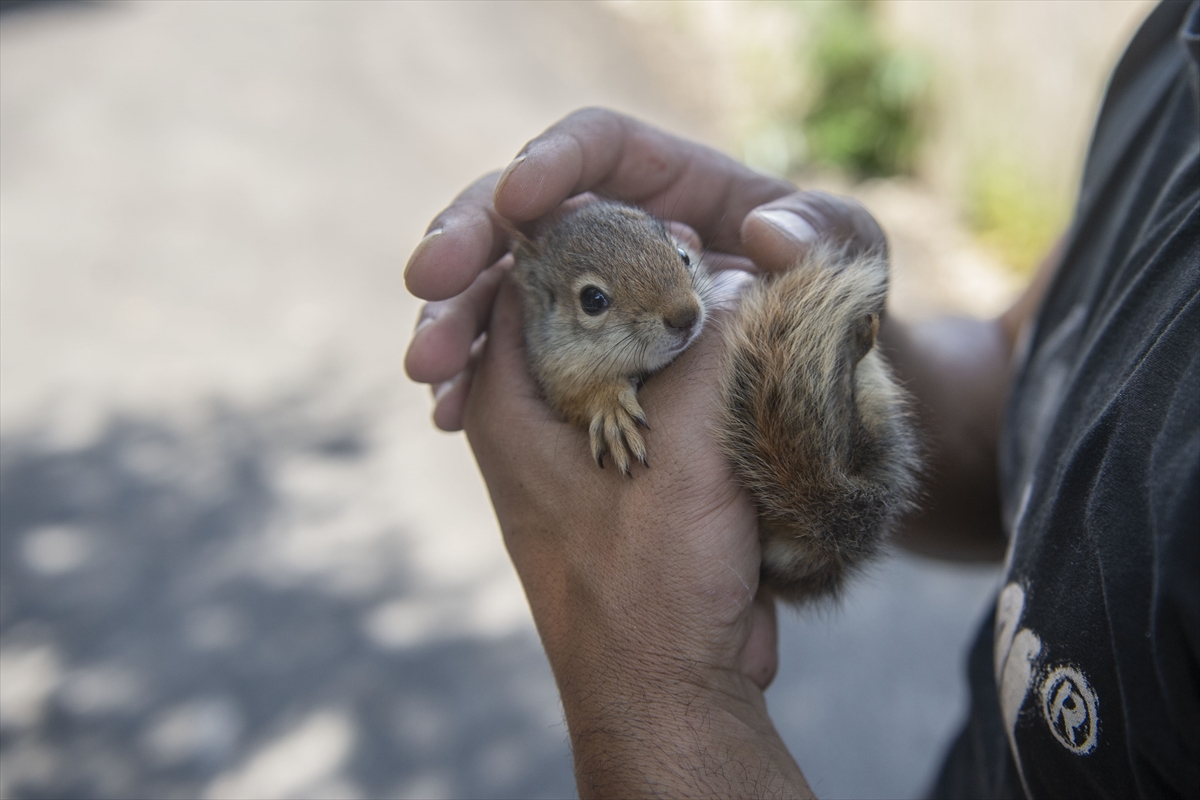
(1069, 706)
(1014, 653)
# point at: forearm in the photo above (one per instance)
(956, 370)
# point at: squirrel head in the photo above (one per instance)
(608, 288)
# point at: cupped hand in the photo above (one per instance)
(657, 573)
(455, 266)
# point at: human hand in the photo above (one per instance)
(536, 480)
(644, 592)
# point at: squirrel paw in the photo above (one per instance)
(614, 430)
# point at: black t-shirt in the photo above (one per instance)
(1088, 682)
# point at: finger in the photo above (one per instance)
(502, 386)
(686, 234)
(774, 235)
(506, 343)
(450, 397)
(619, 157)
(459, 244)
(442, 341)
(721, 262)
(760, 654)
(450, 401)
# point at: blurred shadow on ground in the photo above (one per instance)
(145, 654)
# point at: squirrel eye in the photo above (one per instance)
(592, 300)
(687, 261)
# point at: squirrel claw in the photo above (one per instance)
(613, 431)
(599, 443)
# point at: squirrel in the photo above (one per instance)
(812, 421)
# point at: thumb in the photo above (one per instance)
(775, 234)
(502, 392)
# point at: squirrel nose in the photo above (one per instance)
(682, 319)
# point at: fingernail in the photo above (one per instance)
(508, 171)
(420, 248)
(790, 224)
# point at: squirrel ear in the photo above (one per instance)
(863, 336)
(520, 243)
(517, 241)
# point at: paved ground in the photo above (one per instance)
(235, 560)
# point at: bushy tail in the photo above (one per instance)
(814, 424)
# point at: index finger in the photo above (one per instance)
(621, 158)
(459, 244)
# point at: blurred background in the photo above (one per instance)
(236, 560)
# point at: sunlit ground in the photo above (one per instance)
(235, 559)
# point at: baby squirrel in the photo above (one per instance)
(812, 422)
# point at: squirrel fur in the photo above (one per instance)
(812, 421)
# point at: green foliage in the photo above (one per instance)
(865, 112)
(1012, 212)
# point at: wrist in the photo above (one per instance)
(652, 709)
(679, 735)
